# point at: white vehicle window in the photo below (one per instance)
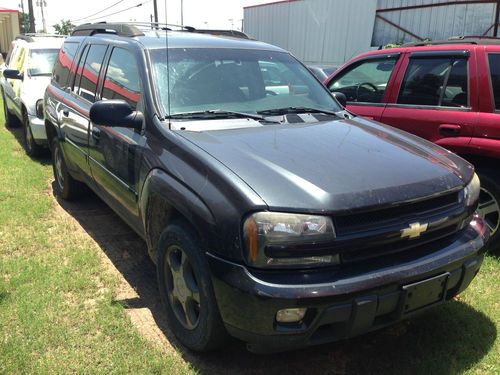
(41, 61)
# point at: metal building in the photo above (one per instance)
(9, 28)
(329, 32)
(315, 31)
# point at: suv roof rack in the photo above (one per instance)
(131, 29)
(469, 39)
(30, 37)
(121, 29)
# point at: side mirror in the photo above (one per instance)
(115, 113)
(341, 98)
(13, 74)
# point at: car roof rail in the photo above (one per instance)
(232, 33)
(120, 29)
(134, 28)
(468, 39)
(30, 37)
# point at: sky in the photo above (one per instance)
(212, 14)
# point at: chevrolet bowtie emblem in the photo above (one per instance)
(414, 231)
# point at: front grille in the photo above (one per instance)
(376, 233)
(347, 224)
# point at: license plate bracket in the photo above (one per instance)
(424, 293)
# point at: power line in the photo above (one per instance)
(120, 11)
(93, 14)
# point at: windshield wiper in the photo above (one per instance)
(217, 113)
(290, 110)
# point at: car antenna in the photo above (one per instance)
(168, 69)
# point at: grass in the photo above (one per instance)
(58, 312)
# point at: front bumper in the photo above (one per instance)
(343, 302)
(38, 130)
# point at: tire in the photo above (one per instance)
(186, 290)
(32, 149)
(65, 186)
(11, 121)
(489, 206)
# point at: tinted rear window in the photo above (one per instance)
(63, 63)
(494, 60)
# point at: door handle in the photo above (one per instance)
(448, 130)
(65, 112)
(96, 134)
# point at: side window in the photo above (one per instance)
(122, 78)
(63, 63)
(12, 52)
(77, 70)
(366, 82)
(435, 82)
(17, 60)
(90, 72)
(494, 62)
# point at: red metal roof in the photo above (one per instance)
(6, 10)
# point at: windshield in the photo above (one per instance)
(250, 81)
(42, 61)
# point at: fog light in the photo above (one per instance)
(291, 315)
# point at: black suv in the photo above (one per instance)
(272, 214)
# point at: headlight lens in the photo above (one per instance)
(471, 191)
(39, 109)
(276, 239)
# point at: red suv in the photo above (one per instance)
(446, 92)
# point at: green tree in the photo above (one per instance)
(24, 23)
(64, 27)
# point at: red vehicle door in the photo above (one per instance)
(433, 97)
(364, 82)
(486, 139)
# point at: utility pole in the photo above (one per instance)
(155, 9)
(41, 4)
(31, 16)
(182, 12)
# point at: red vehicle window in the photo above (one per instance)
(366, 81)
(438, 82)
(494, 63)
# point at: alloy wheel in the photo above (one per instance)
(58, 168)
(182, 287)
(489, 210)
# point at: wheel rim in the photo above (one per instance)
(182, 287)
(489, 210)
(58, 168)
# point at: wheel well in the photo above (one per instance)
(51, 132)
(159, 214)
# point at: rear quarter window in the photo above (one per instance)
(494, 63)
(63, 63)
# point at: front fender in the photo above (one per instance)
(176, 197)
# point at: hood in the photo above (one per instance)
(335, 165)
(32, 90)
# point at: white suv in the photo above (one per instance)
(23, 83)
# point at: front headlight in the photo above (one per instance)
(39, 109)
(276, 239)
(471, 191)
